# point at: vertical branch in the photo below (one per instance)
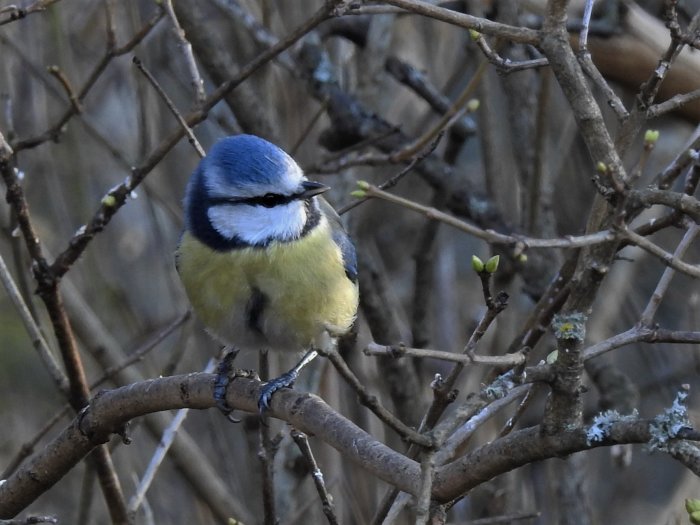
(266, 453)
(423, 282)
(427, 468)
(302, 442)
(564, 408)
(195, 77)
(35, 334)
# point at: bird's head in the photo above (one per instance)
(247, 191)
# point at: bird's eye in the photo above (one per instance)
(269, 200)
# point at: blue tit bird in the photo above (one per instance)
(264, 259)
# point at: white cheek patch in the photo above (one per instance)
(258, 225)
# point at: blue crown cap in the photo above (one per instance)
(247, 159)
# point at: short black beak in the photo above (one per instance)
(311, 188)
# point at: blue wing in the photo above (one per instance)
(342, 239)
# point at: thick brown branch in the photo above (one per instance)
(110, 411)
(522, 447)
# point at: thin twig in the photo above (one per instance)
(520, 35)
(456, 440)
(56, 72)
(491, 236)
(161, 451)
(302, 442)
(595, 75)
(672, 104)
(425, 262)
(636, 173)
(400, 350)
(195, 77)
(650, 88)
(505, 65)
(522, 406)
(670, 259)
(110, 27)
(18, 13)
(421, 84)
(37, 338)
(372, 403)
(267, 450)
(112, 52)
(171, 106)
(15, 195)
(394, 180)
(28, 448)
(662, 286)
(345, 158)
(307, 129)
(638, 334)
(142, 350)
(451, 116)
(443, 395)
(673, 170)
(585, 23)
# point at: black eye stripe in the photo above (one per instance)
(269, 200)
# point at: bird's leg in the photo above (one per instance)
(286, 380)
(225, 373)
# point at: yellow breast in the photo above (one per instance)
(297, 290)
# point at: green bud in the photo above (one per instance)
(109, 201)
(474, 34)
(651, 136)
(492, 264)
(601, 167)
(695, 517)
(358, 194)
(552, 357)
(692, 505)
(522, 258)
(363, 184)
(477, 264)
(473, 105)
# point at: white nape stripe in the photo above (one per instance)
(257, 224)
